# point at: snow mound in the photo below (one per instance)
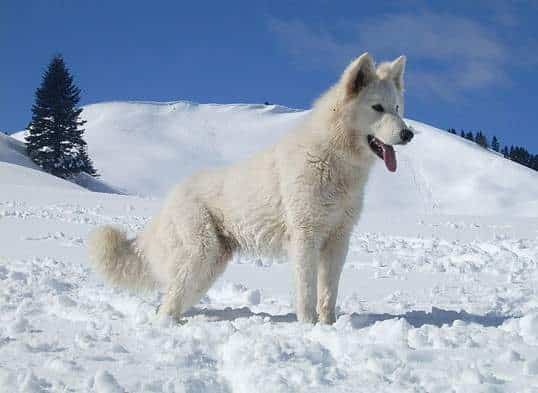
(146, 148)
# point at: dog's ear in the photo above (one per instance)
(358, 74)
(397, 72)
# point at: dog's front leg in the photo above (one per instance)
(332, 260)
(305, 258)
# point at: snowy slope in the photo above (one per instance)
(437, 301)
(443, 173)
(17, 169)
(13, 151)
(145, 148)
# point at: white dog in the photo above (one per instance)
(301, 197)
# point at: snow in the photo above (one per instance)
(16, 168)
(435, 296)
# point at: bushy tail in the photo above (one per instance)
(115, 258)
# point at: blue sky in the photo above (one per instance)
(471, 65)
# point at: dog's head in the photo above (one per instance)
(373, 105)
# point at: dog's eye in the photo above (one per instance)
(378, 108)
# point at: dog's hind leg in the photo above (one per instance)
(333, 256)
(195, 265)
(191, 281)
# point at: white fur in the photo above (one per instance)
(300, 197)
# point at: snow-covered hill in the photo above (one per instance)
(145, 148)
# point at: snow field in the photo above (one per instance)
(451, 308)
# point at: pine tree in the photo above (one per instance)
(87, 163)
(54, 140)
(469, 136)
(478, 138)
(521, 156)
(495, 143)
(481, 139)
(462, 134)
(533, 161)
(505, 152)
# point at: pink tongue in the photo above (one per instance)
(389, 157)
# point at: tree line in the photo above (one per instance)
(515, 153)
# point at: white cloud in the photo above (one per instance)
(448, 54)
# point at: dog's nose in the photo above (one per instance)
(406, 135)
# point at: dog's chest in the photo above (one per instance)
(341, 195)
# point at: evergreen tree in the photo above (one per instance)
(469, 136)
(495, 143)
(88, 163)
(478, 138)
(505, 152)
(462, 134)
(54, 140)
(535, 162)
(520, 155)
(532, 161)
(481, 139)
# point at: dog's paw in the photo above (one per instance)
(166, 320)
(327, 319)
(307, 318)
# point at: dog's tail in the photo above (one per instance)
(115, 258)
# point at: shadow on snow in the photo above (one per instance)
(436, 317)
